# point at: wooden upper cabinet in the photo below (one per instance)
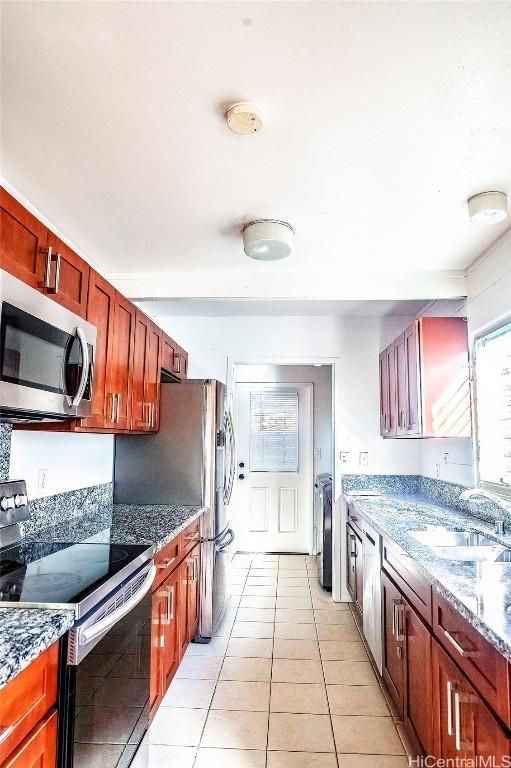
(424, 377)
(174, 359)
(66, 277)
(401, 384)
(146, 375)
(100, 312)
(121, 366)
(23, 242)
(140, 409)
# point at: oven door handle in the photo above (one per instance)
(77, 399)
(102, 626)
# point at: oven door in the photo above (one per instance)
(46, 358)
(104, 700)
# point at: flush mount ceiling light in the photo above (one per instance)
(487, 207)
(244, 118)
(268, 239)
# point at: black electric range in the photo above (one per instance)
(66, 574)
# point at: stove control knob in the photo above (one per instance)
(20, 500)
(7, 502)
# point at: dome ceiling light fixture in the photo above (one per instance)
(244, 118)
(268, 239)
(487, 207)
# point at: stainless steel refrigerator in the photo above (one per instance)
(189, 461)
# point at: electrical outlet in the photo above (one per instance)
(363, 458)
(317, 453)
(438, 471)
(345, 457)
(446, 457)
(42, 479)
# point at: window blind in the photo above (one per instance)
(273, 431)
(493, 406)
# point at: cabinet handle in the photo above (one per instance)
(5, 732)
(50, 258)
(170, 604)
(457, 720)
(153, 415)
(397, 630)
(165, 563)
(112, 408)
(449, 708)
(353, 550)
(465, 652)
(118, 407)
(177, 367)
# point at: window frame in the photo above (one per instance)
(498, 489)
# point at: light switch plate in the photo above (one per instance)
(345, 457)
(363, 459)
(42, 479)
(317, 453)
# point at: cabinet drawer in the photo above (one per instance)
(39, 749)
(355, 521)
(190, 536)
(25, 700)
(487, 670)
(166, 560)
(412, 583)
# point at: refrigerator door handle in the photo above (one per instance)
(229, 436)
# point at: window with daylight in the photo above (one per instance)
(273, 431)
(493, 409)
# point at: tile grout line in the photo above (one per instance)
(218, 677)
(324, 680)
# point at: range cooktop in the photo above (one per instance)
(66, 575)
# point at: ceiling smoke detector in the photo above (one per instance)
(268, 239)
(244, 118)
(487, 207)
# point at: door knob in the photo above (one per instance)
(241, 464)
(241, 476)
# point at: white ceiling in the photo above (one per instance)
(279, 308)
(381, 118)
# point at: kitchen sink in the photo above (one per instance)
(462, 545)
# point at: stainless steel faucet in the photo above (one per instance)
(482, 493)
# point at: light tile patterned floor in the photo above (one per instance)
(285, 683)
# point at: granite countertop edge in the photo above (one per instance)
(412, 548)
(27, 632)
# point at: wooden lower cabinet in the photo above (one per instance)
(39, 748)
(407, 665)
(464, 727)
(175, 622)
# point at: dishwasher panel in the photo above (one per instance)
(371, 619)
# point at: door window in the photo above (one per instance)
(273, 431)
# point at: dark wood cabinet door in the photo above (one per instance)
(39, 749)
(66, 278)
(158, 614)
(413, 426)
(418, 707)
(401, 385)
(171, 628)
(100, 312)
(152, 376)
(23, 242)
(392, 642)
(392, 374)
(194, 593)
(120, 375)
(384, 393)
(184, 572)
(452, 715)
(140, 409)
(486, 739)
(351, 554)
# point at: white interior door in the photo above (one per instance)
(274, 467)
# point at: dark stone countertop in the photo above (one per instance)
(480, 591)
(25, 633)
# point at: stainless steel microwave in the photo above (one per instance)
(46, 356)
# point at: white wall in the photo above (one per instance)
(488, 301)
(72, 460)
(356, 342)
